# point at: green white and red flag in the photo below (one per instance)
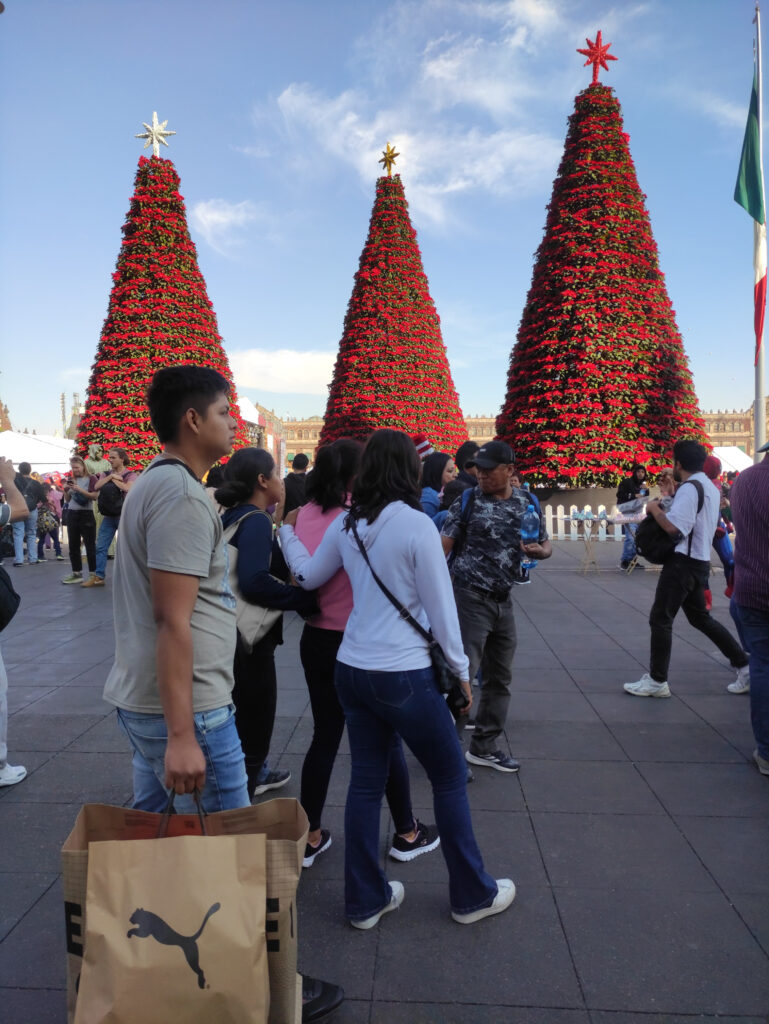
(749, 193)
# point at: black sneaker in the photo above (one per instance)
(522, 578)
(623, 565)
(273, 780)
(319, 999)
(470, 723)
(426, 839)
(311, 852)
(497, 760)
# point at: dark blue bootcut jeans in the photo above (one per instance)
(376, 706)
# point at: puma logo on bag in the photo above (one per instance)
(150, 925)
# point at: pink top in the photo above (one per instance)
(334, 597)
(54, 497)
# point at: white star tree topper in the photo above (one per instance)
(155, 134)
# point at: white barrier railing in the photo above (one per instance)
(560, 525)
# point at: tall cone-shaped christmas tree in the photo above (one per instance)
(392, 369)
(598, 377)
(159, 313)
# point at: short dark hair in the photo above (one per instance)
(300, 461)
(175, 389)
(121, 453)
(389, 471)
(465, 452)
(432, 470)
(335, 466)
(451, 492)
(691, 455)
(24, 468)
(215, 476)
(241, 475)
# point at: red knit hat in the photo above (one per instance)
(422, 445)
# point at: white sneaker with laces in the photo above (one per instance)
(11, 774)
(742, 683)
(647, 687)
(503, 899)
(397, 892)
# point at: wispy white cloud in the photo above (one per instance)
(221, 222)
(74, 373)
(283, 371)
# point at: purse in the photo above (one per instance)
(445, 679)
(253, 620)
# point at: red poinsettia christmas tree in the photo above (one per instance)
(598, 377)
(158, 314)
(392, 369)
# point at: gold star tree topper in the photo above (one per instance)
(388, 159)
(155, 134)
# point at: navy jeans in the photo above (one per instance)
(377, 705)
(754, 627)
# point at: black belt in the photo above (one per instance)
(495, 595)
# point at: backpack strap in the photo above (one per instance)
(173, 462)
(700, 503)
(468, 504)
(229, 531)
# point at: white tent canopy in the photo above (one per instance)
(44, 453)
(733, 459)
(248, 410)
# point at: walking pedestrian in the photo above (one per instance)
(111, 489)
(80, 492)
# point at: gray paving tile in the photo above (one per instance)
(474, 1013)
(690, 953)
(553, 680)
(608, 1017)
(71, 699)
(33, 955)
(581, 786)
(104, 736)
(550, 707)
(48, 732)
(20, 697)
(735, 852)
(564, 741)
(725, 707)
(622, 707)
(74, 778)
(33, 1005)
(754, 911)
(33, 834)
(696, 743)
(725, 790)
(618, 851)
(18, 894)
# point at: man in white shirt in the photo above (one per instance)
(692, 518)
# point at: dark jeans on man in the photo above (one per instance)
(754, 627)
(255, 696)
(488, 636)
(81, 526)
(682, 584)
(318, 649)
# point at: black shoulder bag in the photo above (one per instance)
(657, 545)
(445, 679)
(9, 599)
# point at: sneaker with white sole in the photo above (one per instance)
(496, 759)
(426, 839)
(503, 899)
(647, 687)
(397, 892)
(311, 852)
(10, 774)
(761, 763)
(272, 780)
(74, 577)
(742, 683)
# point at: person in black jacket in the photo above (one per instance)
(250, 482)
(632, 487)
(295, 483)
(33, 494)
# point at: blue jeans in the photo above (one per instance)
(377, 706)
(25, 528)
(628, 546)
(215, 731)
(107, 531)
(754, 626)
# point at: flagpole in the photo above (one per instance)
(759, 408)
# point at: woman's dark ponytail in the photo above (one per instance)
(241, 475)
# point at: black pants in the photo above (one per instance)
(81, 526)
(682, 584)
(318, 649)
(255, 696)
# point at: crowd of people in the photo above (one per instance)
(385, 550)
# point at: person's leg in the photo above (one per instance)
(475, 623)
(628, 546)
(18, 541)
(88, 532)
(367, 890)
(696, 612)
(3, 713)
(30, 530)
(755, 625)
(734, 611)
(107, 530)
(255, 698)
(317, 649)
(40, 544)
(73, 539)
(498, 676)
(56, 541)
(672, 587)
(398, 790)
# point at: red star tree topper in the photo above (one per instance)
(392, 369)
(597, 54)
(598, 377)
(159, 313)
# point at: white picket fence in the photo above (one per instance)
(560, 525)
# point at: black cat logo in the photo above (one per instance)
(149, 924)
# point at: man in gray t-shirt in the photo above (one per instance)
(174, 611)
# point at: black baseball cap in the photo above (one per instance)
(763, 448)
(491, 455)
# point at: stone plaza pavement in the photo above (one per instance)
(636, 832)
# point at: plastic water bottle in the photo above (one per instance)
(529, 534)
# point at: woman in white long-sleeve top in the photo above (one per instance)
(385, 680)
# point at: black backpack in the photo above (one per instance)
(657, 545)
(9, 599)
(29, 489)
(110, 500)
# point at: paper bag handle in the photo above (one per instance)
(163, 826)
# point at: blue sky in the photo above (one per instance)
(281, 110)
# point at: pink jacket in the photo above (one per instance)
(334, 597)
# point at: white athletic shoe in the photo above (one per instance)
(397, 892)
(11, 774)
(742, 683)
(647, 687)
(503, 899)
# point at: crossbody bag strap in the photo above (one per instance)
(700, 503)
(232, 529)
(404, 613)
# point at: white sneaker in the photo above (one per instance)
(11, 774)
(742, 683)
(503, 899)
(646, 687)
(396, 898)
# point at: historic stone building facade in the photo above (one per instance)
(731, 428)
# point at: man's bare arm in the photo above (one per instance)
(173, 601)
(448, 544)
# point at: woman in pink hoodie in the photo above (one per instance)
(328, 493)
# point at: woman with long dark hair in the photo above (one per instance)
(438, 469)
(328, 497)
(251, 485)
(385, 680)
